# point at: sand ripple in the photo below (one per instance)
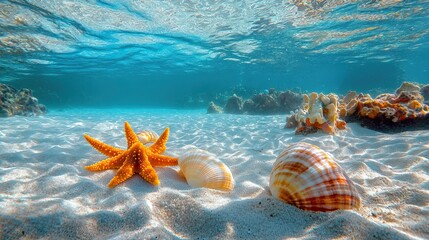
(46, 193)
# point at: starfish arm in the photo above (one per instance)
(102, 147)
(124, 173)
(159, 146)
(109, 163)
(130, 135)
(157, 160)
(145, 169)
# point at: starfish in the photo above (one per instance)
(136, 159)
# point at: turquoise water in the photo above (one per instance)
(183, 53)
(155, 64)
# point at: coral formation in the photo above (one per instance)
(272, 102)
(404, 110)
(268, 102)
(263, 104)
(318, 111)
(389, 107)
(18, 102)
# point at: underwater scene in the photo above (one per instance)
(247, 119)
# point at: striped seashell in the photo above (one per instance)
(203, 169)
(147, 136)
(306, 176)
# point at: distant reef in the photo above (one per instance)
(19, 102)
(269, 102)
(404, 110)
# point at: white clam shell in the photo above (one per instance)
(147, 136)
(203, 169)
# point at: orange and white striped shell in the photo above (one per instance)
(147, 136)
(203, 169)
(306, 176)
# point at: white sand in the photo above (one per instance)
(46, 193)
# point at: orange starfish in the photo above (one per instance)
(136, 159)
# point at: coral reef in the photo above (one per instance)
(263, 104)
(273, 102)
(318, 112)
(393, 107)
(19, 102)
(398, 112)
(268, 102)
(405, 110)
(289, 100)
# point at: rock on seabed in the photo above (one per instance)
(19, 102)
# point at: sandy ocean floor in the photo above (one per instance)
(46, 193)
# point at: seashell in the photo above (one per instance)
(306, 176)
(147, 136)
(203, 169)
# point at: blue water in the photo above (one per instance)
(111, 53)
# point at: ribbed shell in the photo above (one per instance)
(203, 169)
(306, 176)
(147, 136)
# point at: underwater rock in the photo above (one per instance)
(7, 89)
(266, 103)
(273, 102)
(213, 108)
(424, 91)
(19, 102)
(4, 112)
(385, 125)
(289, 101)
(263, 104)
(248, 106)
(408, 87)
(234, 105)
